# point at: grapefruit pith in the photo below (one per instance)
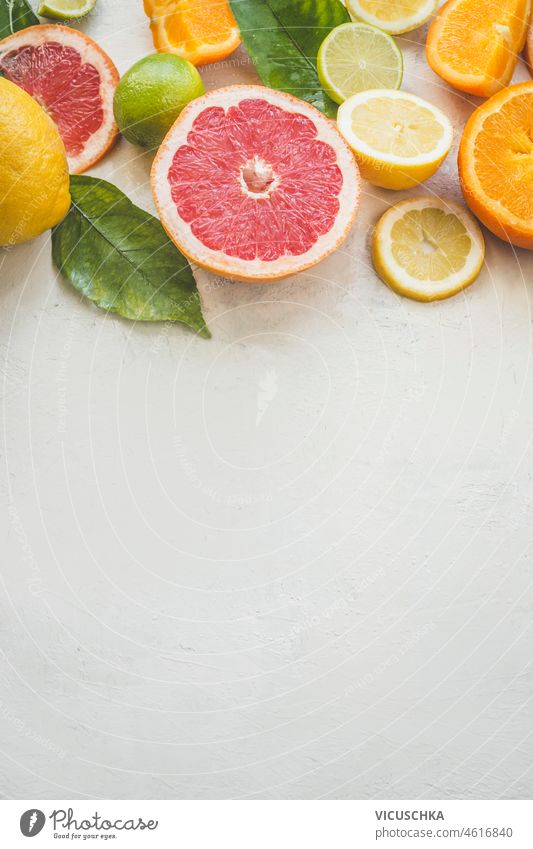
(255, 184)
(74, 81)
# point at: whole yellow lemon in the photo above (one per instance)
(34, 181)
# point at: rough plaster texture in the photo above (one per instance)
(292, 562)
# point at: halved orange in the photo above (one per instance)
(529, 47)
(201, 31)
(496, 164)
(473, 44)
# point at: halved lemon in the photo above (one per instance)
(358, 57)
(427, 248)
(393, 16)
(399, 140)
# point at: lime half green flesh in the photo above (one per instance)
(64, 10)
(358, 57)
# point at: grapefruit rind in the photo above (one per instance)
(235, 267)
(90, 52)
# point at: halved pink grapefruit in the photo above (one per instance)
(255, 184)
(73, 80)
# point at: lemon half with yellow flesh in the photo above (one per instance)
(427, 248)
(393, 16)
(399, 139)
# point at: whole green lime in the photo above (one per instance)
(151, 95)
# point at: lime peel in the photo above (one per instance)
(65, 10)
(151, 95)
(356, 57)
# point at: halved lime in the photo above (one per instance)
(358, 57)
(65, 10)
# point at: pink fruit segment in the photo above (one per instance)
(53, 74)
(74, 81)
(254, 182)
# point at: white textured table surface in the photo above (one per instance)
(291, 562)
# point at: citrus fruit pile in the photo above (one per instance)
(256, 184)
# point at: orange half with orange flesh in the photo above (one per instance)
(496, 164)
(474, 44)
(201, 31)
(529, 47)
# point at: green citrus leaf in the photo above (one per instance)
(119, 257)
(283, 37)
(15, 15)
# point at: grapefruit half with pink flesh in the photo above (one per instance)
(255, 184)
(74, 81)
